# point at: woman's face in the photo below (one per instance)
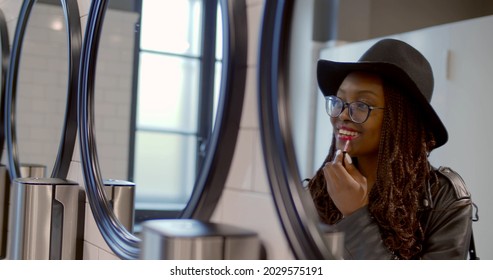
(364, 137)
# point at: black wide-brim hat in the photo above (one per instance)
(400, 63)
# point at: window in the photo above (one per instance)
(176, 93)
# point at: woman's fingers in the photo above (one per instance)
(345, 184)
(352, 170)
(336, 171)
(338, 157)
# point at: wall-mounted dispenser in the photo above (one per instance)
(4, 194)
(43, 219)
(121, 195)
(186, 239)
(26, 170)
(31, 170)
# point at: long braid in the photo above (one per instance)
(402, 175)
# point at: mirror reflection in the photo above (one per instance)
(155, 99)
(41, 89)
(453, 41)
(210, 181)
(5, 55)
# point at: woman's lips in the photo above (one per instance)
(347, 134)
(345, 138)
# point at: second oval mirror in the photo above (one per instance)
(157, 108)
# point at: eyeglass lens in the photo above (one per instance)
(358, 111)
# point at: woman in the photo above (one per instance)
(376, 184)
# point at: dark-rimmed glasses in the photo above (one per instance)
(358, 111)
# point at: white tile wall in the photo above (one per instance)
(41, 94)
(246, 201)
(241, 172)
(84, 6)
(249, 118)
(255, 211)
(10, 10)
(254, 16)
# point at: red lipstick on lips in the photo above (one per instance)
(344, 137)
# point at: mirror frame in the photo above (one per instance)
(211, 178)
(293, 201)
(5, 55)
(4, 188)
(69, 129)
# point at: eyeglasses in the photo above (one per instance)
(358, 111)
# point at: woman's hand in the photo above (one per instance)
(346, 185)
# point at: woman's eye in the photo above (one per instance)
(360, 106)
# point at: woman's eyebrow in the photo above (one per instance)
(362, 91)
(367, 91)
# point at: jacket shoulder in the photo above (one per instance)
(455, 181)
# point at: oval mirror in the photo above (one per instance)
(298, 215)
(296, 132)
(40, 105)
(4, 182)
(153, 127)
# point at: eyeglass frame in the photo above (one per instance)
(346, 105)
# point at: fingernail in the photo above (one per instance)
(348, 159)
(338, 152)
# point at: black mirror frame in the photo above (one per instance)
(4, 188)
(5, 55)
(210, 181)
(69, 130)
(293, 202)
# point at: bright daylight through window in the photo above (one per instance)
(172, 103)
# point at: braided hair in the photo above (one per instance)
(403, 173)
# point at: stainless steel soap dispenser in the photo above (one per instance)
(4, 204)
(187, 239)
(121, 195)
(43, 221)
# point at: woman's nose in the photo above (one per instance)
(345, 114)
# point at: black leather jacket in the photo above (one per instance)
(446, 222)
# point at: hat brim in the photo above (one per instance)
(330, 75)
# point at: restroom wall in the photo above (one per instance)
(365, 19)
(246, 200)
